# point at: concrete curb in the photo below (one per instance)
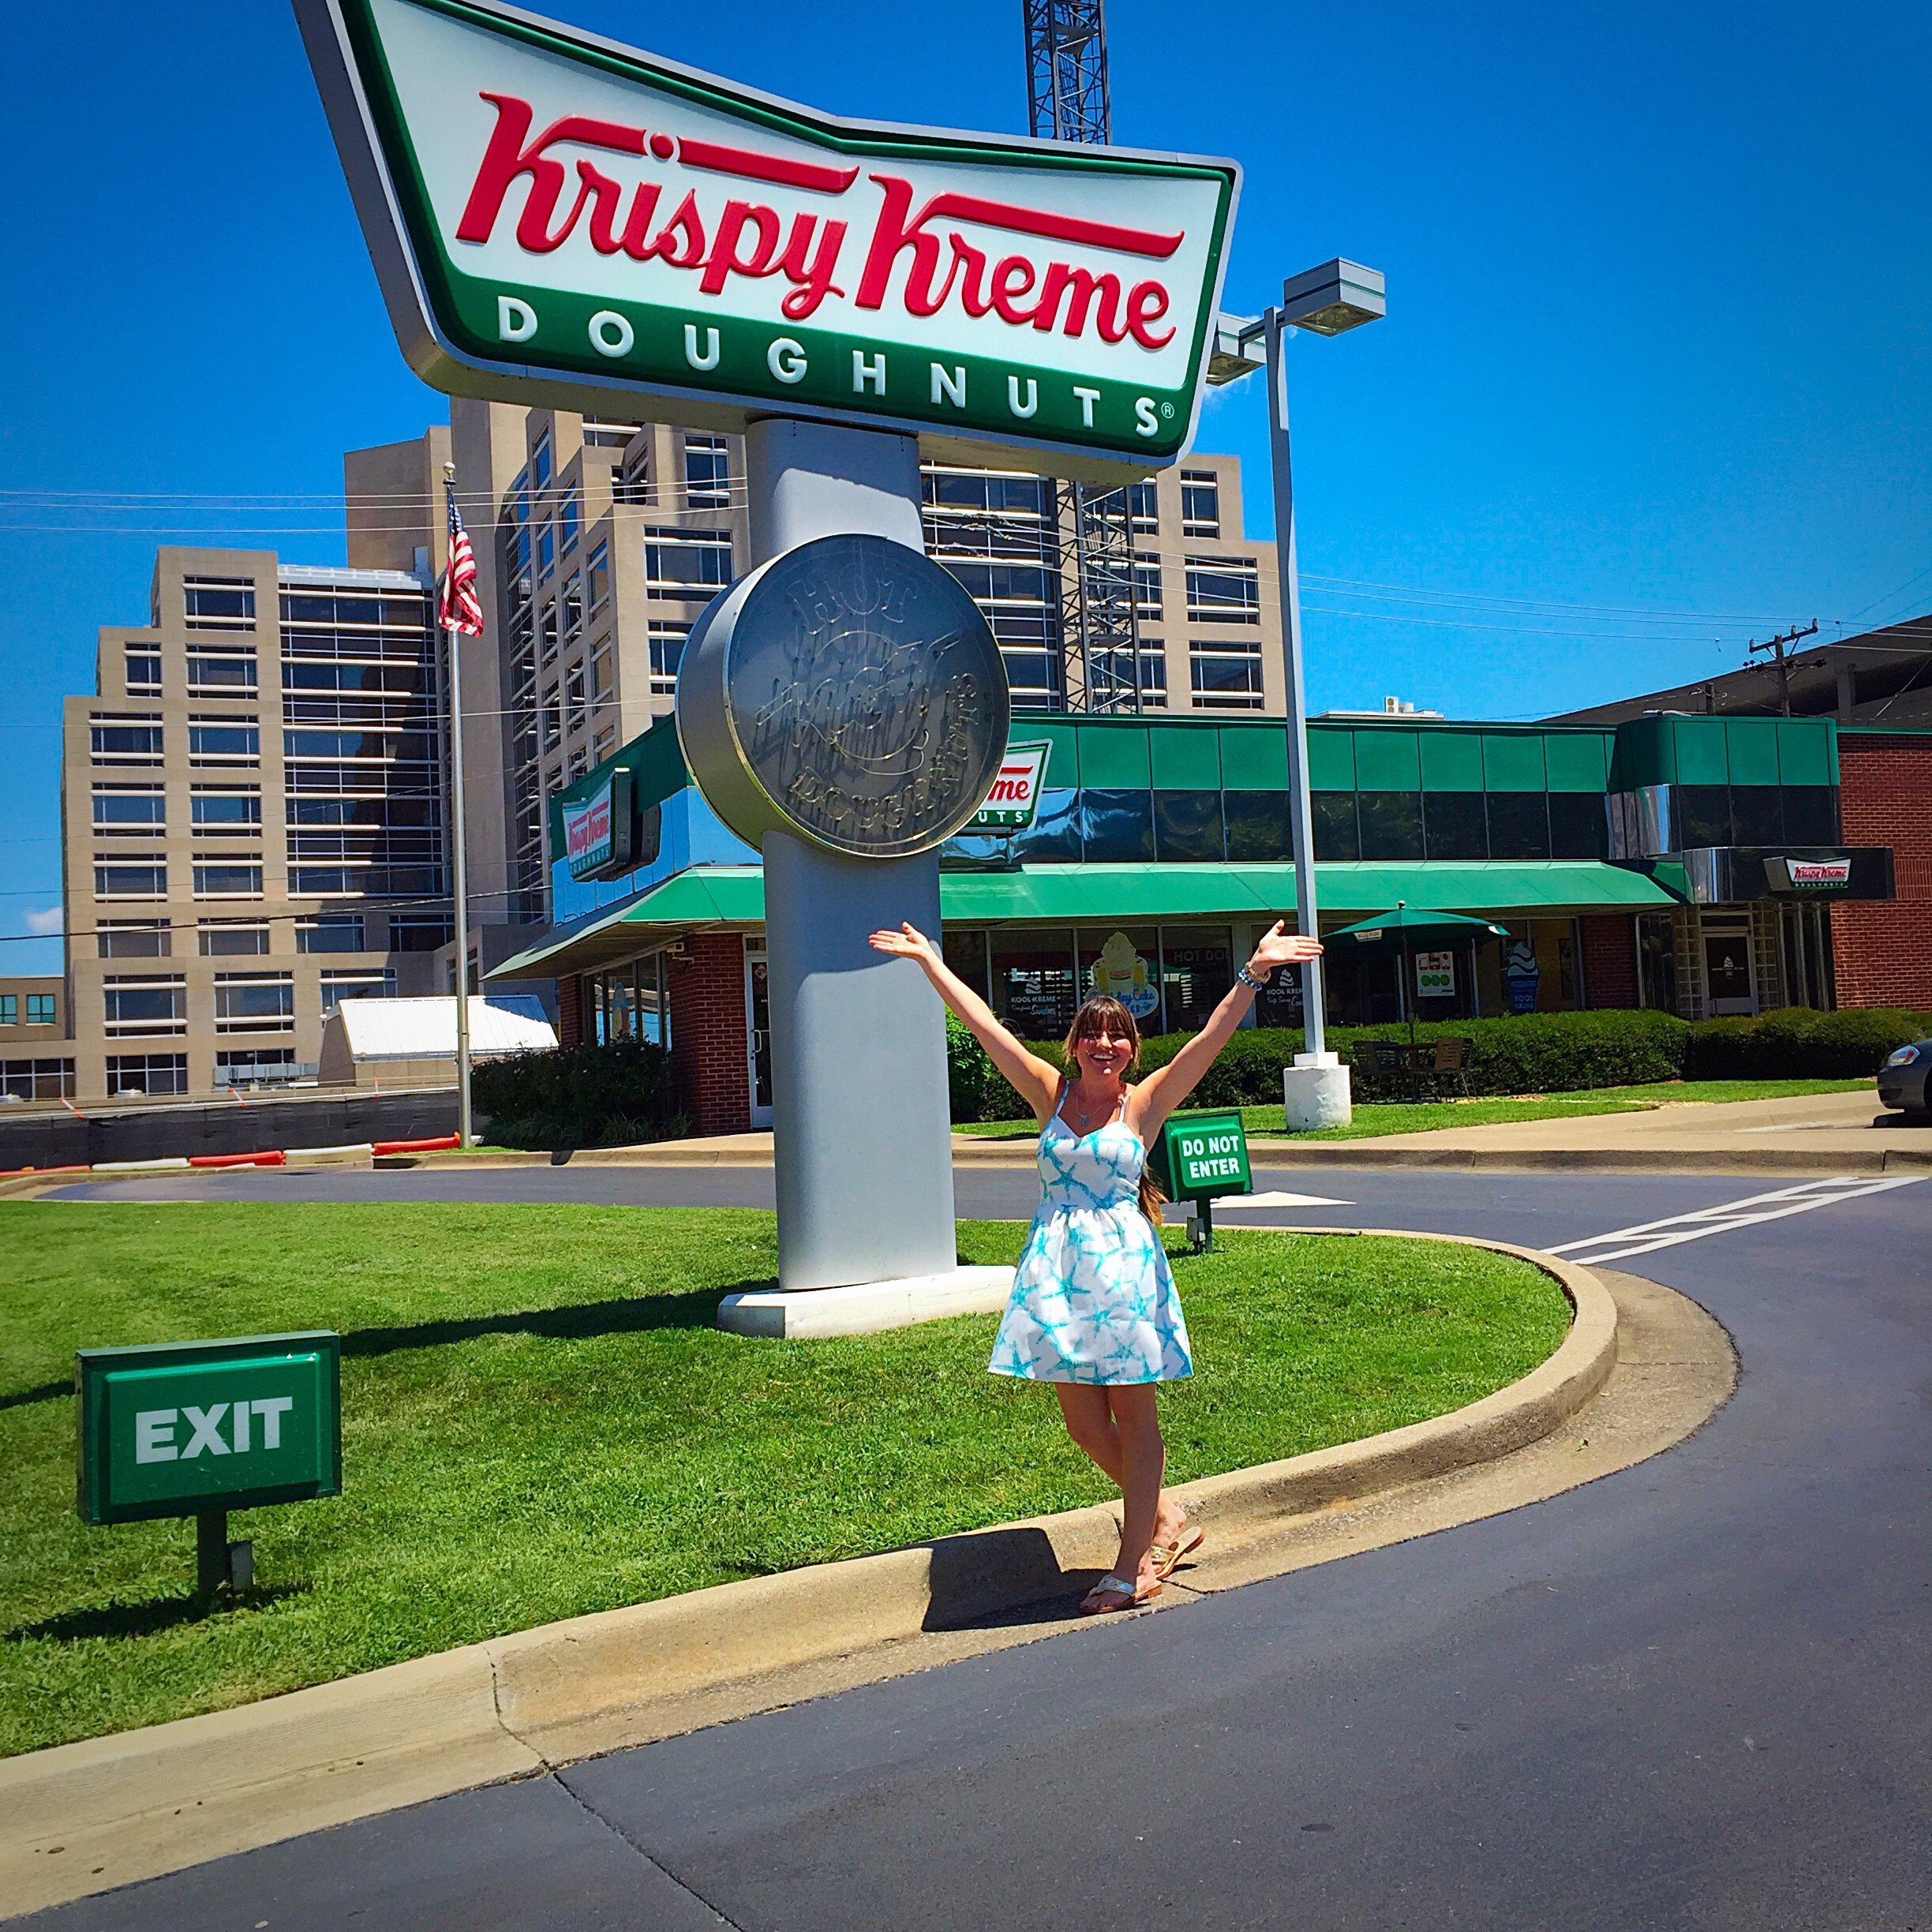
(88, 1817)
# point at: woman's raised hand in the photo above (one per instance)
(908, 942)
(1279, 947)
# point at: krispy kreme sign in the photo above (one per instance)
(1013, 803)
(557, 218)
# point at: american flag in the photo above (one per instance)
(460, 611)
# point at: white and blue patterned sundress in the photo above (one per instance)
(1093, 1298)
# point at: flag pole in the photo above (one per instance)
(459, 853)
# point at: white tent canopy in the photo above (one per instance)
(365, 1032)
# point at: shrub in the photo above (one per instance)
(973, 1083)
(1797, 1043)
(579, 1096)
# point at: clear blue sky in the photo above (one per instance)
(1655, 377)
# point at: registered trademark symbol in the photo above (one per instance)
(1166, 409)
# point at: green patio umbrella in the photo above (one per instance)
(1402, 931)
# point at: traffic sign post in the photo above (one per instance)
(1201, 1157)
(198, 1428)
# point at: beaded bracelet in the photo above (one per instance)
(1248, 979)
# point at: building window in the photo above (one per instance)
(130, 882)
(632, 484)
(145, 1003)
(228, 881)
(235, 812)
(40, 1010)
(232, 938)
(125, 740)
(1201, 503)
(420, 935)
(1224, 589)
(574, 716)
(600, 433)
(122, 812)
(133, 939)
(596, 575)
(37, 1080)
(10, 1010)
(219, 603)
(151, 1074)
(1143, 508)
(223, 741)
(546, 549)
(144, 672)
(230, 675)
(682, 562)
(552, 715)
(335, 932)
(257, 1066)
(368, 984)
(667, 650)
(573, 522)
(707, 473)
(1147, 582)
(539, 463)
(254, 1002)
(1153, 674)
(1224, 677)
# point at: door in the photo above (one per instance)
(1727, 974)
(758, 1023)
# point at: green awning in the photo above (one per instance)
(735, 896)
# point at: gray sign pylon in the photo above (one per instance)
(861, 1139)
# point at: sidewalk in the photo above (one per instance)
(1818, 1133)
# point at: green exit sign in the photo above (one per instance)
(184, 1428)
(1206, 1156)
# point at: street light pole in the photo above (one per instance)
(459, 861)
(1314, 1036)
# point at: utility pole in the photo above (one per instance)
(1778, 645)
(1068, 100)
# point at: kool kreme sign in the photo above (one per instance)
(554, 215)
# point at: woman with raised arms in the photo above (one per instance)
(1094, 1309)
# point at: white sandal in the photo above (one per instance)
(1114, 1593)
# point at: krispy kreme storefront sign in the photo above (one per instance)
(557, 218)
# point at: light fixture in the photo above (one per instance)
(1334, 298)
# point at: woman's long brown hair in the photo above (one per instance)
(1099, 1012)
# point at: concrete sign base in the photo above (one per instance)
(1315, 1093)
(867, 1307)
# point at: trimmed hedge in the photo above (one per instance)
(579, 1097)
(1797, 1043)
(1531, 1053)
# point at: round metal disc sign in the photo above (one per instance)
(849, 692)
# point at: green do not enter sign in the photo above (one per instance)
(183, 1428)
(1205, 1155)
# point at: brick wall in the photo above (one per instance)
(569, 1011)
(1609, 959)
(1881, 950)
(710, 1053)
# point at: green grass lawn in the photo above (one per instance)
(1373, 1119)
(540, 1421)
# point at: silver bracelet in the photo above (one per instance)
(1248, 979)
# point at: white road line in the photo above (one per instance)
(1728, 1216)
(1278, 1199)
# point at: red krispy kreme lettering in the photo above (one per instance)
(1148, 303)
(506, 157)
(810, 272)
(1012, 277)
(1081, 287)
(781, 170)
(686, 224)
(724, 260)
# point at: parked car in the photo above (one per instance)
(1902, 1080)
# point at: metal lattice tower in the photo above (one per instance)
(1099, 636)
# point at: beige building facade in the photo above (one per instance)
(252, 801)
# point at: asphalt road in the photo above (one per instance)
(1695, 1694)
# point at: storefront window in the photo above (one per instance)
(1056, 832)
(1391, 824)
(1757, 817)
(1197, 968)
(1033, 984)
(1187, 827)
(1701, 815)
(1337, 835)
(1118, 827)
(1812, 814)
(1257, 826)
(1579, 827)
(965, 952)
(1533, 970)
(1453, 821)
(1518, 825)
(1125, 962)
(1657, 961)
